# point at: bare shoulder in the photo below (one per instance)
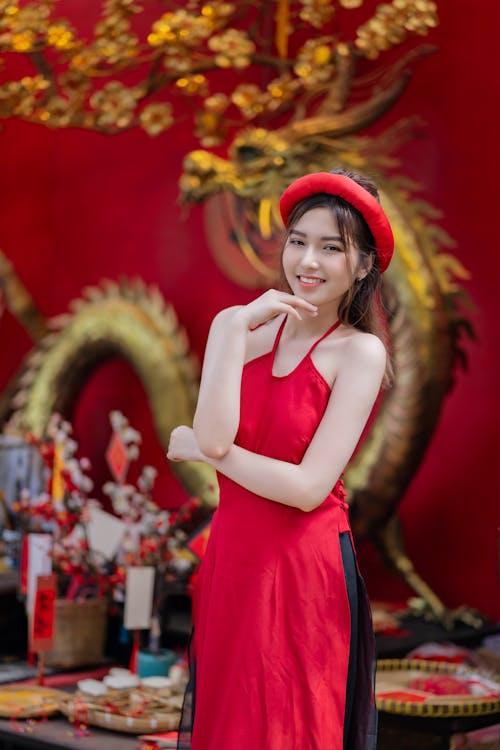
(224, 317)
(364, 350)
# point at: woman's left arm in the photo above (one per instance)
(307, 484)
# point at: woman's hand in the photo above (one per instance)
(183, 446)
(273, 303)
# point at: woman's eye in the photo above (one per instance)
(296, 242)
(333, 248)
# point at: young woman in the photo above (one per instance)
(282, 647)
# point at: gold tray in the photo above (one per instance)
(28, 701)
(395, 694)
(154, 722)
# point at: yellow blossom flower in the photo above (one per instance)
(391, 24)
(56, 112)
(233, 48)
(249, 99)
(180, 64)
(216, 10)
(21, 96)
(9, 89)
(181, 28)
(114, 105)
(23, 41)
(281, 90)
(112, 26)
(31, 17)
(8, 11)
(217, 103)
(317, 12)
(24, 107)
(155, 118)
(60, 36)
(33, 84)
(84, 60)
(116, 49)
(314, 61)
(9, 7)
(74, 83)
(209, 128)
(195, 84)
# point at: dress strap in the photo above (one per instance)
(327, 333)
(277, 341)
(278, 337)
(280, 331)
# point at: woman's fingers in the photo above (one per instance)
(297, 310)
(272, 303)
(289, 310)
(294, 301)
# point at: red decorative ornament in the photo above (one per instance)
(117, 458)
(197, 542)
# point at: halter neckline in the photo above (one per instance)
(308, 353)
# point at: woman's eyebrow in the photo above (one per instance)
(325, 239)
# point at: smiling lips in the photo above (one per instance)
(310, 281)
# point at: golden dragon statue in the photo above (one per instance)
(124, 319)
(421, 294)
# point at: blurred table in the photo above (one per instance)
(57, 733)
(417, 733)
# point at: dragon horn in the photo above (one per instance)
(352, 120)
(337, 124)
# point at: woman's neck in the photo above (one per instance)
(311, 326)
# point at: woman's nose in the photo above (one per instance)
(309, 258)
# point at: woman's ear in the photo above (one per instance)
(366, 266)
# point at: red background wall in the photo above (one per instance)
(77, 207)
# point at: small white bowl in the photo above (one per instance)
(120, 672)
(156, 683)
(92, 687)
(121, 682)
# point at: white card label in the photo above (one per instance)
(105, 532)
(39, 564)
(139, 591)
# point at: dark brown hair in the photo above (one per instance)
(361, 305)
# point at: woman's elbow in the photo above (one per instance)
(309, 505)
(216, 451)
(312, 497)
(213, 448)
(300, 497)
(211, 444)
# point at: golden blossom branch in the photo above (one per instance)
(79, 83)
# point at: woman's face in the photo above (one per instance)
(316, 263)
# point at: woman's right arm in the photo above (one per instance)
(217, 415)
(305, 485)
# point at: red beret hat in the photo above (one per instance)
(344, 187)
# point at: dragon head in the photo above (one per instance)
(259, 161)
